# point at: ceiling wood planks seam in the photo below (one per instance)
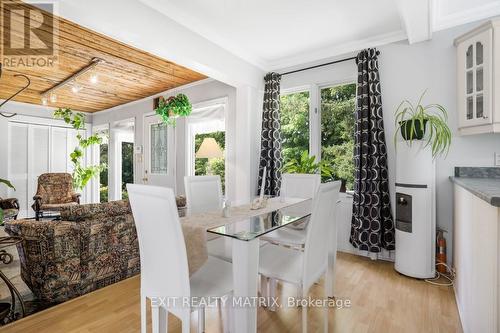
(128, 74)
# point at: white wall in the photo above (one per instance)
(206, 90)
(24, 109)
(405, 72)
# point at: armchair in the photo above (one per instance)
(54, 192)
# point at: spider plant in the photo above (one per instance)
(414, 121)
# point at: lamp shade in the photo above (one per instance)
(209, 149)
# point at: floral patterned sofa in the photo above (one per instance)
(92, 246)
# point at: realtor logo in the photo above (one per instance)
(28, 34)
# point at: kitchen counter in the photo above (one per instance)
(482, 182)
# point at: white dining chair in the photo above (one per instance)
(164, 263)
(204, 194)
(294, 186)
(305, 268)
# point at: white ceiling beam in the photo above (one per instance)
(416, 17)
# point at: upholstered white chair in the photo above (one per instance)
(302, 186)
(164, 264)
(204, 194)
(304, 268)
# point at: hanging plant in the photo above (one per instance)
(81, 174)
(174, 107)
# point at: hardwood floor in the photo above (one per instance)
(382, 301)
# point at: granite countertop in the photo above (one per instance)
(482, 182)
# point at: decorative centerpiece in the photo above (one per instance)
(173, 107)
(261, 201)
(413, 121)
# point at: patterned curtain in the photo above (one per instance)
(372, 225)
(270, 146)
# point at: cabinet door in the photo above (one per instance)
(474, 79)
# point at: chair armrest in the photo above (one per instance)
(10, 203)
(76, 197)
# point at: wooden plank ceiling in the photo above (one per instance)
(128, 74)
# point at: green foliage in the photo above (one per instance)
(127, 167)
(432, 115)
(338, 106)
(174, 106)
(103, 175)
(294, 125)
(216, 165)
(307, 164)
(7, 183)
(81, 175)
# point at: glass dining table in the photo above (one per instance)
(244, 233)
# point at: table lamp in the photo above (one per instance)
(209, 149)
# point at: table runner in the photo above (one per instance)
(195, 227)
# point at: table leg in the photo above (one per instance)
(245, 277)
(332, 259)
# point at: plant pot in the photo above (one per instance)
(418, 131)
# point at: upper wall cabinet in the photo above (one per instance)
(478, 79)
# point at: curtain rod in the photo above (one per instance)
(326, 64)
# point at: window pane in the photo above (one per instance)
(470, 107)
(469, 57)
(479, 53)
(294, 125)
(469, 82)
(214, 166)
(479, 106)
(338, 105)
(159, 148)
(127, 167)
(103, 159)
(479, 80)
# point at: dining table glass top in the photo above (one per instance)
(256, 226)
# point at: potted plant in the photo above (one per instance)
(173, 107)
(415, 121)
(307, 164)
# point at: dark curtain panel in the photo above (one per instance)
(270, 146)
(372, 224)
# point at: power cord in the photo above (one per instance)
(450, 276)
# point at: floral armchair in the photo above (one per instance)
(54, 192)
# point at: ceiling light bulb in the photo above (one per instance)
(94, 78)
(45, 101)
(53, 98)
(76, 88)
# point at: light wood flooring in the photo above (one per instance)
(382, 301)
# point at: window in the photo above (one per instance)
(207, 120)
(127, 167)
(320, 123)
(159, 148)
(103, 158)
(338, 105)
(294, 125)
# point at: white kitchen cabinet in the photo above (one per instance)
(476, 261)
(478, 79)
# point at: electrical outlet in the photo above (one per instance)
(497, 159)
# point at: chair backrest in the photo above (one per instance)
(164, 264)
(319, 232)
(299, 185)
(55, 188)
(203, 193)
